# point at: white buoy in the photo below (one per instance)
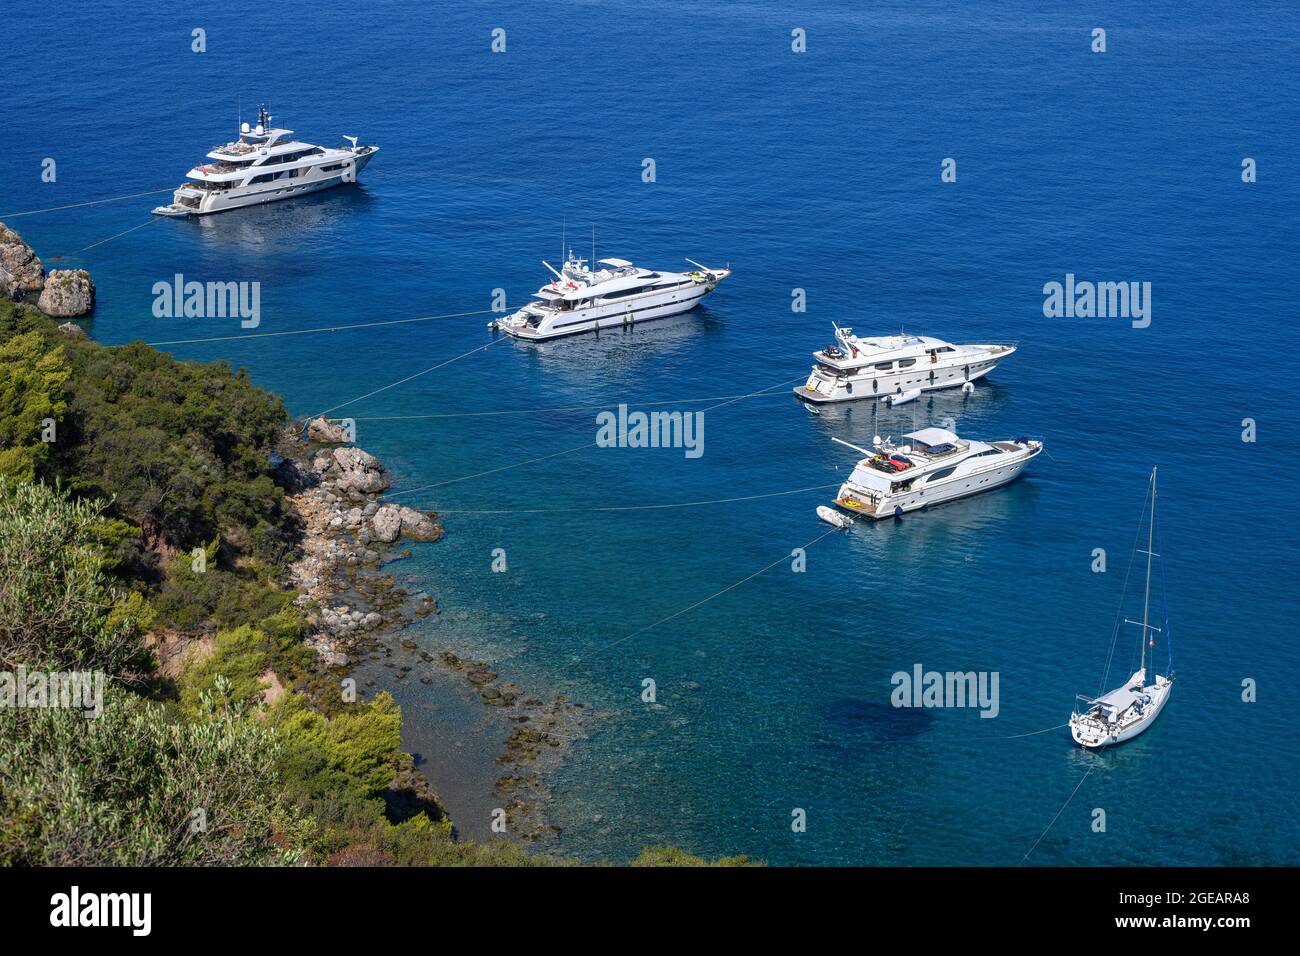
(833, 517)
(968, 388)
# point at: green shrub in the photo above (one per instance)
(58, 608)
(135, 787)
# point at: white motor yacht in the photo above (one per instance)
(1128, 710)
(927, 467)
(852, 367)
(613, 294)
(264, 164)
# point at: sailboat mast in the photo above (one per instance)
(1146, 599)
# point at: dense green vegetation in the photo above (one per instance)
(116, 465)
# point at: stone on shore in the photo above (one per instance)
(325, 432)
(418, 526)
(354, 473)
(387, 523)
(21, 270)
(68, 293)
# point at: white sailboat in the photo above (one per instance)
(1128, 710)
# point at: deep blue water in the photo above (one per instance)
(818, 171)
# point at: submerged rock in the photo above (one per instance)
(68, 293)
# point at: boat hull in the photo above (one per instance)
(818, 391)
(1093, 741)
(965, 486)
(241, 197)
(614, 317)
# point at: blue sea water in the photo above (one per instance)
(818, 171)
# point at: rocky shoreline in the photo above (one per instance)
(61, 294)
(356, 611)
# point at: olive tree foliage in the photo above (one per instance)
(138, 786)
(58, 608)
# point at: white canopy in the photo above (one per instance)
(616, 263)
(932, 436)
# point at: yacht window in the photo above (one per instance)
(940, 474)
(906, 363)
(884, 366)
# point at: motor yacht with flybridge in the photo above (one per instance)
(1126, 711)
(927, 467)
(610, 294)
(265, 164)
(852, 367)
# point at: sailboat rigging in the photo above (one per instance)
(1127, 711)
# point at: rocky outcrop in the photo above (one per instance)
(350, 473)
(21, 271)
(347, 530)
(391, 522)
(68, 293)
(71, 328)
(325, 432)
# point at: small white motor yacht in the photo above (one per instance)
(1128, 710)
(928, 467)
(263, 165)
(852, 367)
(613, 294)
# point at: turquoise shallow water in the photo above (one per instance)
(820, 172)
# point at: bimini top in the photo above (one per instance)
(616, 263)
(931, 437)
(1122, 698)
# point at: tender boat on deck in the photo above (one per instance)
(929, 466)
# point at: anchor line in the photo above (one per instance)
(716, 594)
(567, 451)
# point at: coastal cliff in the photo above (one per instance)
(225, 574)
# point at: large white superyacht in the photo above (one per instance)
(929, 466)
(264, 164)
(610, 294)
(852, 367)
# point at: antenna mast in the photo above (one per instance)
(1146, 599)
